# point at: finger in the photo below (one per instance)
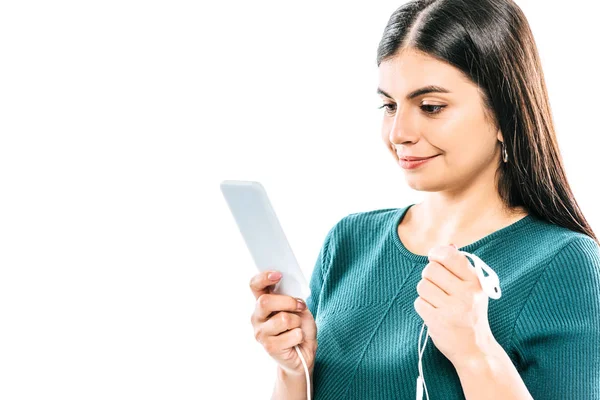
(284, 341)
(441, 277)
(279, 323)
(260, 283)
(454, 261)
(432, 293)
(425, 310)
(268, 303)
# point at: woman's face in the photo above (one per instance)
(450, 125)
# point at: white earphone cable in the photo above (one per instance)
(305, 372)
(420, 379)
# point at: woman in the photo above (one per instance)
(462, 86)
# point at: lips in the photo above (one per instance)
(414, 164)
(411, 158)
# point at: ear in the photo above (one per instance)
(499, 136)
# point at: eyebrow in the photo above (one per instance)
(418, 92)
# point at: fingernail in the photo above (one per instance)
(453, 245)
(274, 276)
(301, 305)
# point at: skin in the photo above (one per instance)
(462, 203)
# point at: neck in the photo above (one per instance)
(461, 216)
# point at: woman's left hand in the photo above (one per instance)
(454, 306)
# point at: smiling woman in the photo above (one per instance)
(454, 86)
(467, 117)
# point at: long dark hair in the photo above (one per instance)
(491, 42)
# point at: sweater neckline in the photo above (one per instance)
(401, 212)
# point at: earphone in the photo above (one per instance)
(490, 285)
(305, 372)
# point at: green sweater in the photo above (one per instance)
(363, 288)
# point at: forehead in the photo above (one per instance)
(412, 69)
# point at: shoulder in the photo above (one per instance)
(571, 271)
(371, 219)
(543, 242)
(359, 230)
(560, 243)
(578, 259)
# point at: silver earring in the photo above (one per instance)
(504, 153)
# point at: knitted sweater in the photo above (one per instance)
(363, 288)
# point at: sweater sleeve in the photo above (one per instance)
(318, 274)
(557, 333)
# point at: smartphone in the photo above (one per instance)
(264, 236)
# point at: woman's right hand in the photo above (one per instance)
(279, 325)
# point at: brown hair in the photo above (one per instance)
(491, 42)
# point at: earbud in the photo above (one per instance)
(490, 283)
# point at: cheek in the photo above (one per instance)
(461, 136)
(469, 155)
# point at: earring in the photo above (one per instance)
(504, 153)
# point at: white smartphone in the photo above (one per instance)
(264, 237)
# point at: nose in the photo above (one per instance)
(402, 127)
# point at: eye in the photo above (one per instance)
(388, 107)
(437, 108)
(429, 109)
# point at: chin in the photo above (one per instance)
(422, 184)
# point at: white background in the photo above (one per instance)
(122, 272)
